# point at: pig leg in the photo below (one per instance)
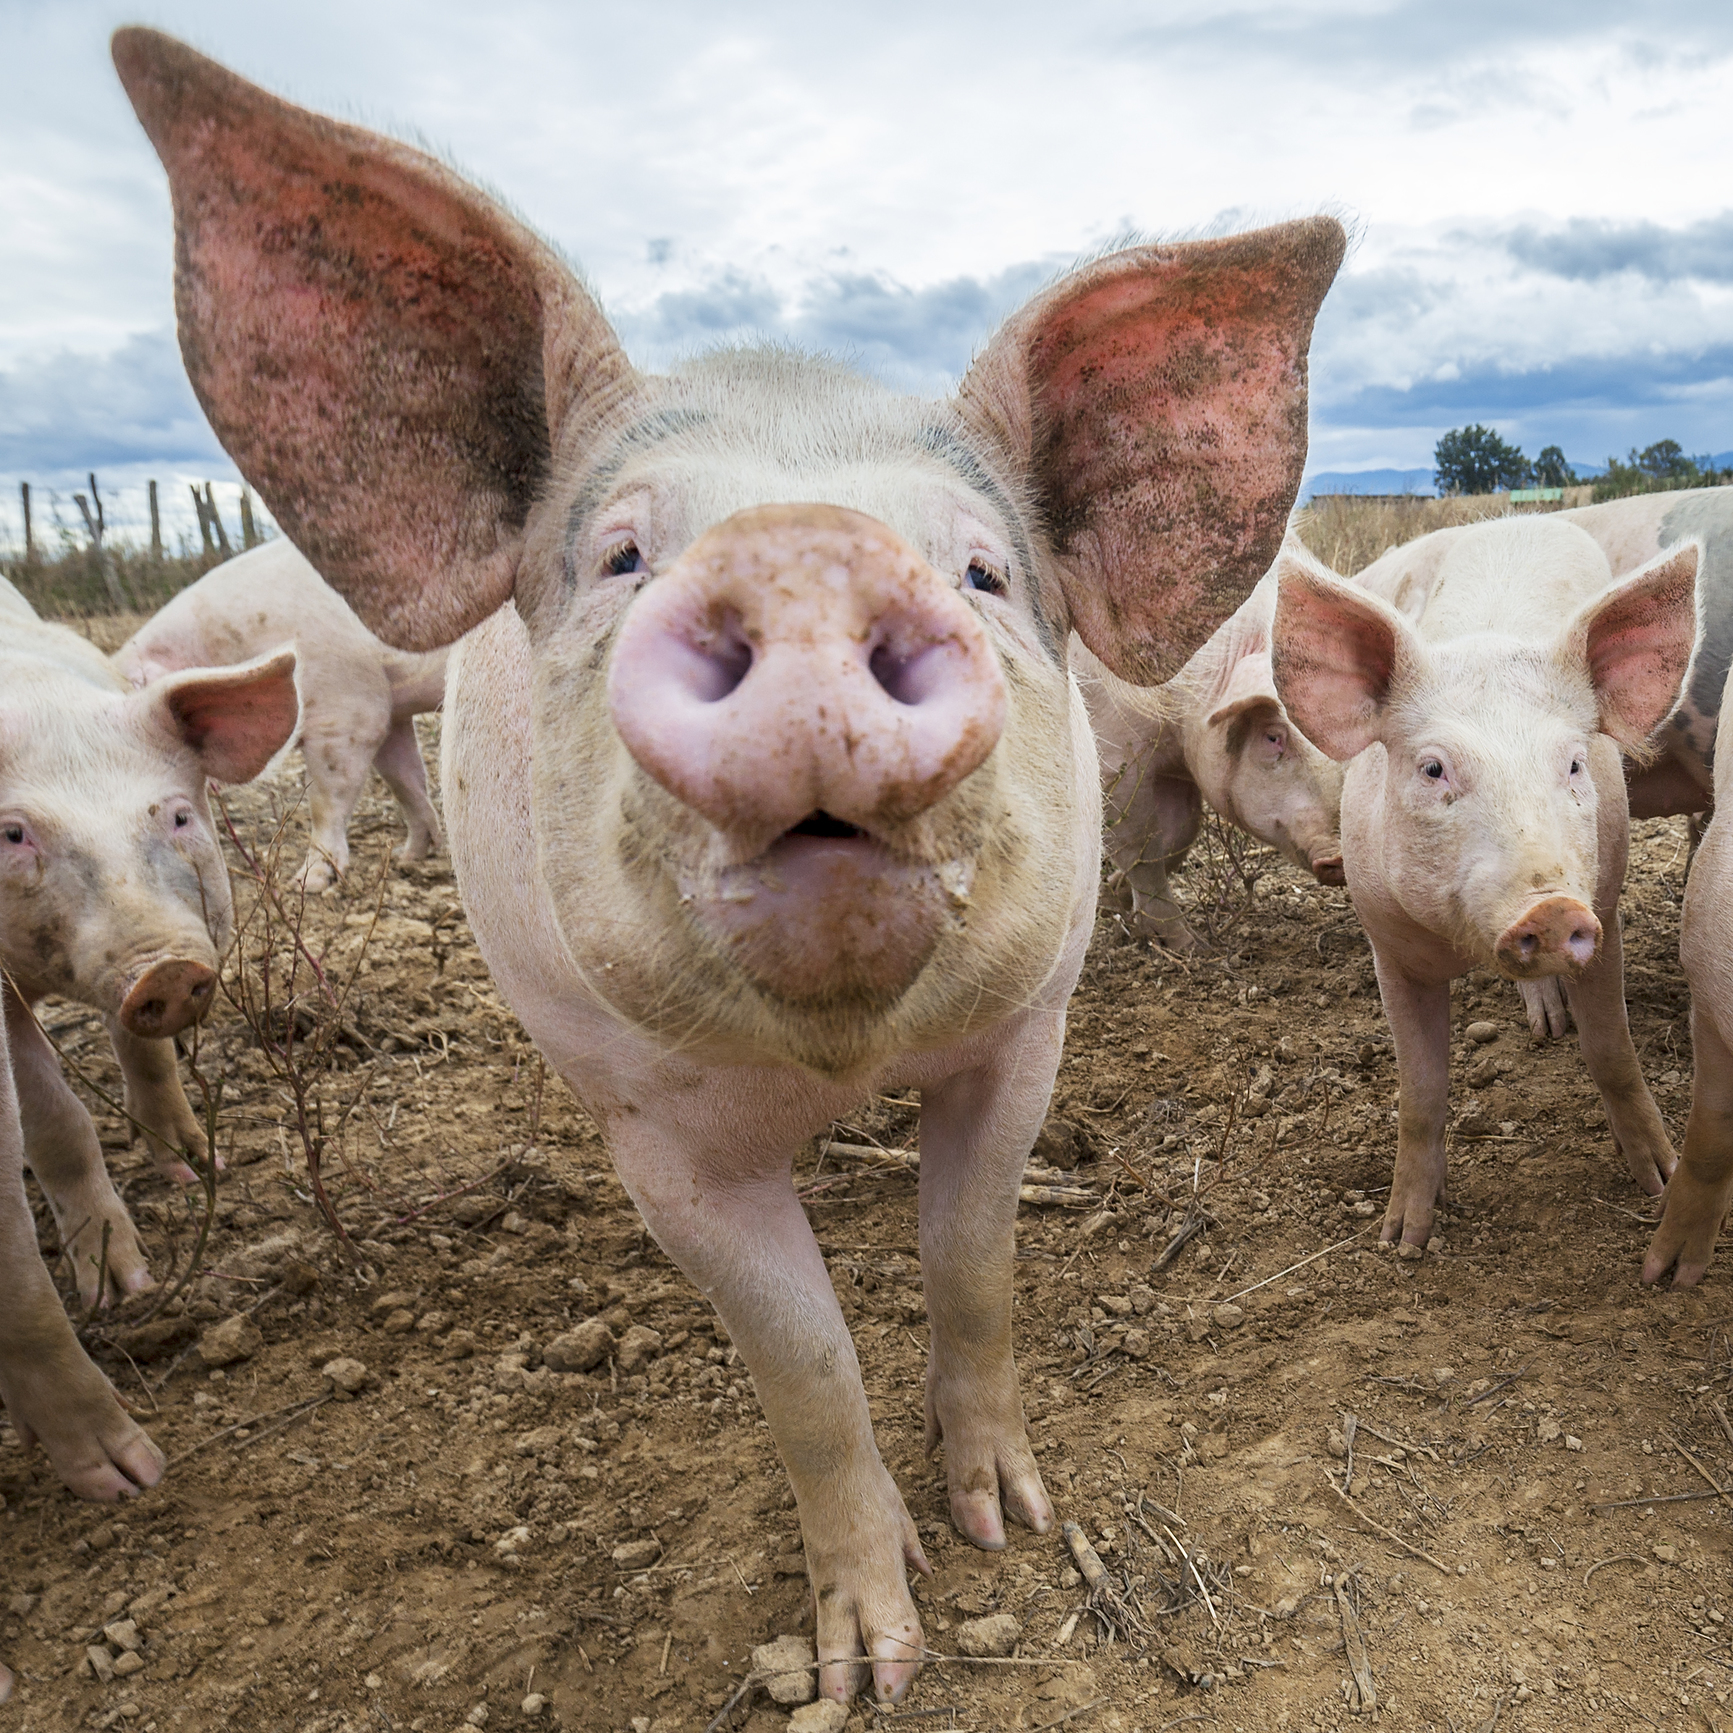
(1159, 826)
(1419, 1014)
(735, 1226)
(1544, 1000)
(53, 1394)
(1597, 1002)
(66, 1158)
(399, 761)
(976, 1131)
(155, 1098)
(339, 742)
(1701, 1189)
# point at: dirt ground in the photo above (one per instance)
(439, 1550)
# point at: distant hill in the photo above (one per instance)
(1368, 481)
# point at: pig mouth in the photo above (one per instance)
(1328, 869)
(829, 915)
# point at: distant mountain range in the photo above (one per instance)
(1419, 481)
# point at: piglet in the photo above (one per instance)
(114, 893)
(1484, 820)
(771, 787)
(359, 697)
(1216, 732)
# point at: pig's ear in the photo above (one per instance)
(236, 719)
(1336, 652)
(1637, 639)
(1156, 402)
(386, 354)
(1250, 686)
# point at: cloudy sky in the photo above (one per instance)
(1538, 189)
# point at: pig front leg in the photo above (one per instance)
(1156, 828)
(976, 1131)
(1701, 1189)
(338, 742)
(1597, 1002)
(66, 1157)
(155, 1098)
(400, 763)
(738, 1231)
(52, 1392)
(1419, 1015)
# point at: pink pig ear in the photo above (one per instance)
(1250, 685)
(386, 354)
(1637, 639)
(1335, 651)
(1157, 402)
(236, 719)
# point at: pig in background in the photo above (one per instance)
(359, 697)
(756, 806)
(114, 893)
(1484, 817)
(1675, 773)
(52, 1393)
(1216, 731)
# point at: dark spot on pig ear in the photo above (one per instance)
(1156, 401)
(387, 355)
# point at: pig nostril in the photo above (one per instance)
(717, 659)
(1527, 945)
(907, 679)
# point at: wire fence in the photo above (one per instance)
(122, 548)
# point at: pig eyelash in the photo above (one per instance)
(1432, 768)
(182, 820)
(623, 558)
(982, 576)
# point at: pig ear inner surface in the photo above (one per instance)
(236, 719)
(1637, 638)
(389, 357)
(1156, 401)
(1335, 651)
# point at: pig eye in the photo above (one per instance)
(1431, 767)
(623, 558)
(1576, 767)
(182, 819)
(981, 576)
(14, 833)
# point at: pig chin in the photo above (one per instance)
(823, 922)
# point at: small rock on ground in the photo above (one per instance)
(996, 1634)
(236, 1338)
(581, 1349)
(346, 1375)
(798, 1684)
(825, 1716)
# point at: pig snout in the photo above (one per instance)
(1558, 935)
(803, 663)
(1327, 869)
(167, 997)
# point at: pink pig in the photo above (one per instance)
(1216, 732)
(114, 893)
(770, 787)
(359, 697)
(1484, 819)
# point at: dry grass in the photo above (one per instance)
(1349, 533)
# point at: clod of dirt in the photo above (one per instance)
(1482, 1032)
(97, 1660)
(637, 1555)
(996, 1634)
(577, 1350)
(824, 1716)
(123, 1634)
(638, 1347)
(1228, 1315)
(236, 1338)
(348, 1377)
(1060, 1144)
(128, 1663)
(533, 1704)
(156, 1340)
(786, 1669)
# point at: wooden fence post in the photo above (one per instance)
(249, 530)
(94, 526)
(217, 520)
(155, 529)
(29, 532)
(205, 536)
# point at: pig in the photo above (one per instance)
(114, 893)
(359, 697)
(1676, 776)
(1216, 732)
(52, 1393)
(1484, 819)
(770, 787)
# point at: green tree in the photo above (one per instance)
(1475, 460)
(1551, 469)
(1665, 460)
(1658, 468)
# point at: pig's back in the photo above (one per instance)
(36, 652)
